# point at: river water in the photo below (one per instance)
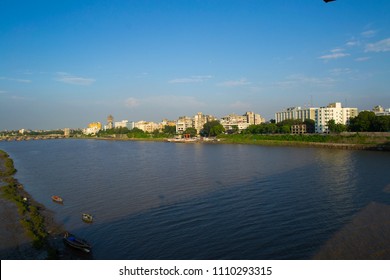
(157, 200)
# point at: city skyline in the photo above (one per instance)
(69, 63)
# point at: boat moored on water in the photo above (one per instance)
(87, 218)
(57, 199)
(77, 242)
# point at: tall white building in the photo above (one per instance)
(196, 122)
(295, 113)
(334, 111)
(121, 124)
(183, 123)
(200, 119)
(147, 126)
(253, 118)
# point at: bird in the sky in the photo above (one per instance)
(326, 1)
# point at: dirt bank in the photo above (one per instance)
(15, 243)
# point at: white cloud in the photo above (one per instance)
(15, 80)
(235, 83)
(334, 55)
(239, 105)
(369, 33)
(73, 80)
(341, 71)
(163, 101)
(192, 79)
(132, 102)
(380, 46)
(337, 50)
(299, 80)
(352, 43)
(365, 58)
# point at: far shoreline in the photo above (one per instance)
(349, 141)
(377, 145)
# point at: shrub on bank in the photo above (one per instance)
(9, 168)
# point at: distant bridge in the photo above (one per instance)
(31, 137)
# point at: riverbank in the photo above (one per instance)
(28, 230)
(348, 141)
(372, 141)
(368, 141)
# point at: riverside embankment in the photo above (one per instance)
(375, 141)
(347, 141)
(27, 229)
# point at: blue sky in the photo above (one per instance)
(68, 63)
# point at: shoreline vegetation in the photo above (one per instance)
(352, 141)
(376, 141)
(38, 236)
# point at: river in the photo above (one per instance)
(158, 200)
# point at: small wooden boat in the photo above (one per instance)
(57, 199)
(76, 242)
(87, 218)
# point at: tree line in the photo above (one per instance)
(365, 121)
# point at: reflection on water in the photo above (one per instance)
(200, 201)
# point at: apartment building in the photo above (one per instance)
(380, 111)
(241, 121)
(196, 122)
(295, 113)
(121, 124)
(334, 111)
(93, 128)
(183, 123)
(147, 126)
(253, 118)
(200, 119)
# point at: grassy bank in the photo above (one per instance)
(356, 141)
(30, 212)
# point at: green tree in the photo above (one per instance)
(381, 123)
(310, 125)
(362, 122)
(169, 129)
(233, 130)
(212, 128)
(334, 127)
(137, 133)
(191, 131)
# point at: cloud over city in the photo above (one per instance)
(15, 80)
(73, 80)
(335, 54)
(235, 83)
(380, 46)
(190, 80)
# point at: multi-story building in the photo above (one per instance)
(241, 121)
(121, 124)
(295, 113)
(253, 118)
(66, 132)
(93, 128)
(147, 126)
(183, 123)
(298, 129)
(110, 122)
(199, 120)
(334, 111)
(196, 122)
(234, 120)
(380, 111)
